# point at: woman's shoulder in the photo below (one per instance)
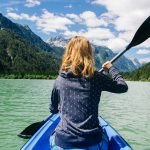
(98, 74)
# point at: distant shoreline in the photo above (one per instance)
(140, 80)
(27, 76)
(137, 80)
(45, 77)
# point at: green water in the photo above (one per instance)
(23, 102)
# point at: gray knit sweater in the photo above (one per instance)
(79, 99)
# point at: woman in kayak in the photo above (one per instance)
(78, 89)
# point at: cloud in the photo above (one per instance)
(100, 36)
(74, 17)
(127, 35)
(125, 16)
(98, 33)
(11, 4)
(32, 3)
(130, 13)
(68, 6)
(144, 60)
(47, 22)
(69, 33)
(91, 20)
(120, 16)
(145, 44)
(116, 44)
(108, 17)
(14, 16)
(143, 51)
(10, 9)
(22, 16)
(92, 33)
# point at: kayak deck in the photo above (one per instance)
(40, 140)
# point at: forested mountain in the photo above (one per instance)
(24, 53)
(24, 32)
(142, 74)
(17, 56)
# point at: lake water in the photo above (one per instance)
(23, 102)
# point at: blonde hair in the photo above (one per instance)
(78, 57)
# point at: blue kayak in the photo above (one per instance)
(40, 140)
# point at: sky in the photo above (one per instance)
(110, 23)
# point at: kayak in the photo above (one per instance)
(40, 140)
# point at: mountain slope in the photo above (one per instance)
(20, 57)
(103, 54)
(136, 62)
(24, 32)
(142, 73)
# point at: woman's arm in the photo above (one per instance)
(55, 101)
(116, 84)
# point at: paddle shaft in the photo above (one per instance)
(115, 58)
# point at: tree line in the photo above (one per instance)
(141, 74)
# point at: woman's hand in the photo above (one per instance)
(107, 65)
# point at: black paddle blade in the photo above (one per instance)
(141, 34)
(29, 131)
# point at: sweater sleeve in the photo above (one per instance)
(55, 100)
(116, 84)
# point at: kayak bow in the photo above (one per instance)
(40, 140)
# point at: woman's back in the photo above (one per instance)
(79, 123)
(79, 98)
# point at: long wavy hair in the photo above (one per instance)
(78, 57)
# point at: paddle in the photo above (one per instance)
(29, 131)
(142, 34)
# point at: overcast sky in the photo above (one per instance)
(111, 23)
